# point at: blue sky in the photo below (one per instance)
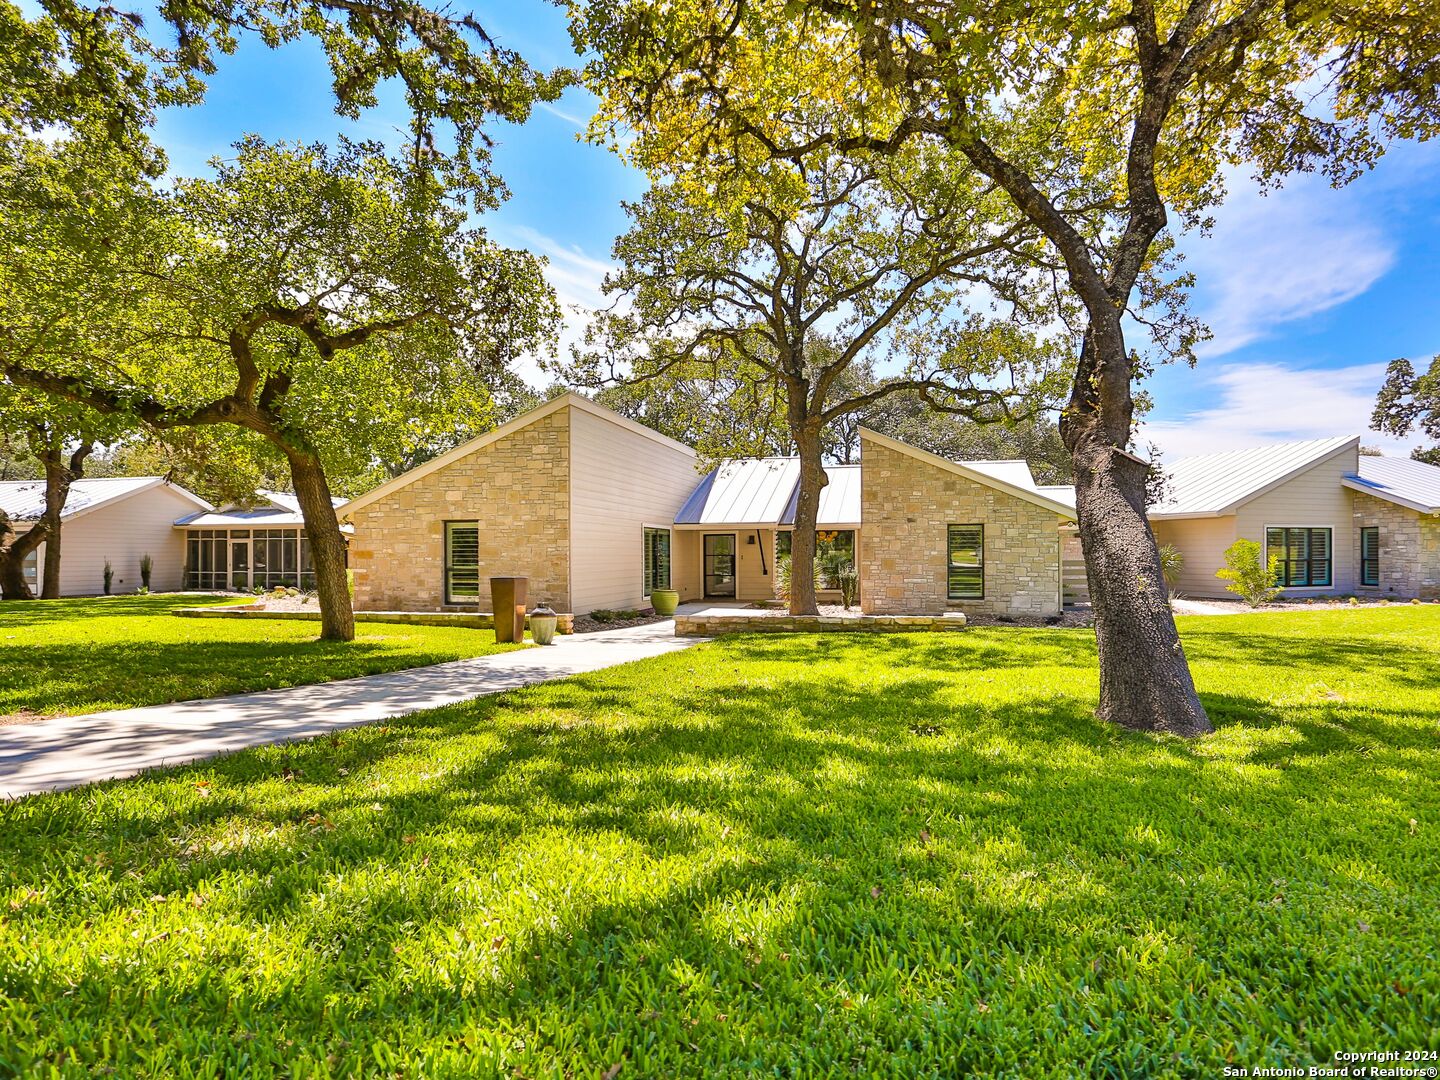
(1309, 291)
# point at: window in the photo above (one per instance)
(965, 578)
(1370, 556)
(30, 567)
(834, 552)
(462, 562)
(657, 560)
(207, 559)
(1304, 555)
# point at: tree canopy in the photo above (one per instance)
(1409, 401)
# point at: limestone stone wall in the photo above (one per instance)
(1409, 549)
(907, 505)
(739, 622)
(517, 488)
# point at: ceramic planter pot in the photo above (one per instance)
(664, 601)
(542, 625)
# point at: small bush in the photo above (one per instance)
(849, 586)
(604, 615)
(1172, 565)
(109, 576)
(147, 567)
(1251, 578)
(782, 576)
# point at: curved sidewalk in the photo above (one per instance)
(71, 750)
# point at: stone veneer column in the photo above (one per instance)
(1402, 552)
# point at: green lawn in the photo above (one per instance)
(789, 856)
(78, 656)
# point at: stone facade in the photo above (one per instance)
(1409, 549)
(517, 487)
(711, 625)
(907, 505)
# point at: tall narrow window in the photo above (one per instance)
(965, 578)
(657, 560)
(31, 569)
(462, 562)
(1370, 556)
(1304, 554)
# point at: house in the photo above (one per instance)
(258, 545)
(576, 498)
(116, 519)
(599, 511)
(1340, 522)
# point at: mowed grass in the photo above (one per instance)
(782, 856)
(75, 656)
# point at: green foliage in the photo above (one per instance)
(1408, 401)
(783, 571)
(848, 582)
(147, 568)
(1172, 565)
(1250, 577)
(108, 574)
(605, 615)
(79, 656)
(917, 855)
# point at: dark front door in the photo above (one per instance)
(720, 565)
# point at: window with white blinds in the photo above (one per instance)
(462, 562)
(965, 574)
(1370, 556)
(657, 560)
(1304, 554)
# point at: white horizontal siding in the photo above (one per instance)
(620, 481)
(1315, 499)
(123, 532)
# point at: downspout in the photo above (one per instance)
(760, 543)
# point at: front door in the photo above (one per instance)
(240, 565)
(720, 565)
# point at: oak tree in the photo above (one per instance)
(1104, 123)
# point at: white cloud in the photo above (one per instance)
(1304, 248)
(570, 118)
(576, 278)
(1277, 258)
(1241, 405)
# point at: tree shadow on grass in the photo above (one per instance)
(19, 613)
(611, 847)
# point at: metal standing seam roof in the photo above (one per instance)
(24, 500)
(1400, 480)
(281, 510)
(1216, 483)
(763, 491)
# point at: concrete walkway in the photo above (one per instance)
(70, 750)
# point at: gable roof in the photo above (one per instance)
(1211, 485)
(1399, 480)
(1012, 477)
(278, 509)
(764, 491)
(569, 399)
(24, 500)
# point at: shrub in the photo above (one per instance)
(147, 567)
(350, 584)
(1172, 565)
(1251, 578)
(782, 576)
(109, 575)
(849, 586)
(604, 615)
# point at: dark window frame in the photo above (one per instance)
(1289, 578)
(448, 566)
(1370, 564)
(952, 590)
(650, 578)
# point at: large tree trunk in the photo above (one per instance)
(1145, 681)
(59, 475)
(327, 545)
(13, 550)
(807, 509)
